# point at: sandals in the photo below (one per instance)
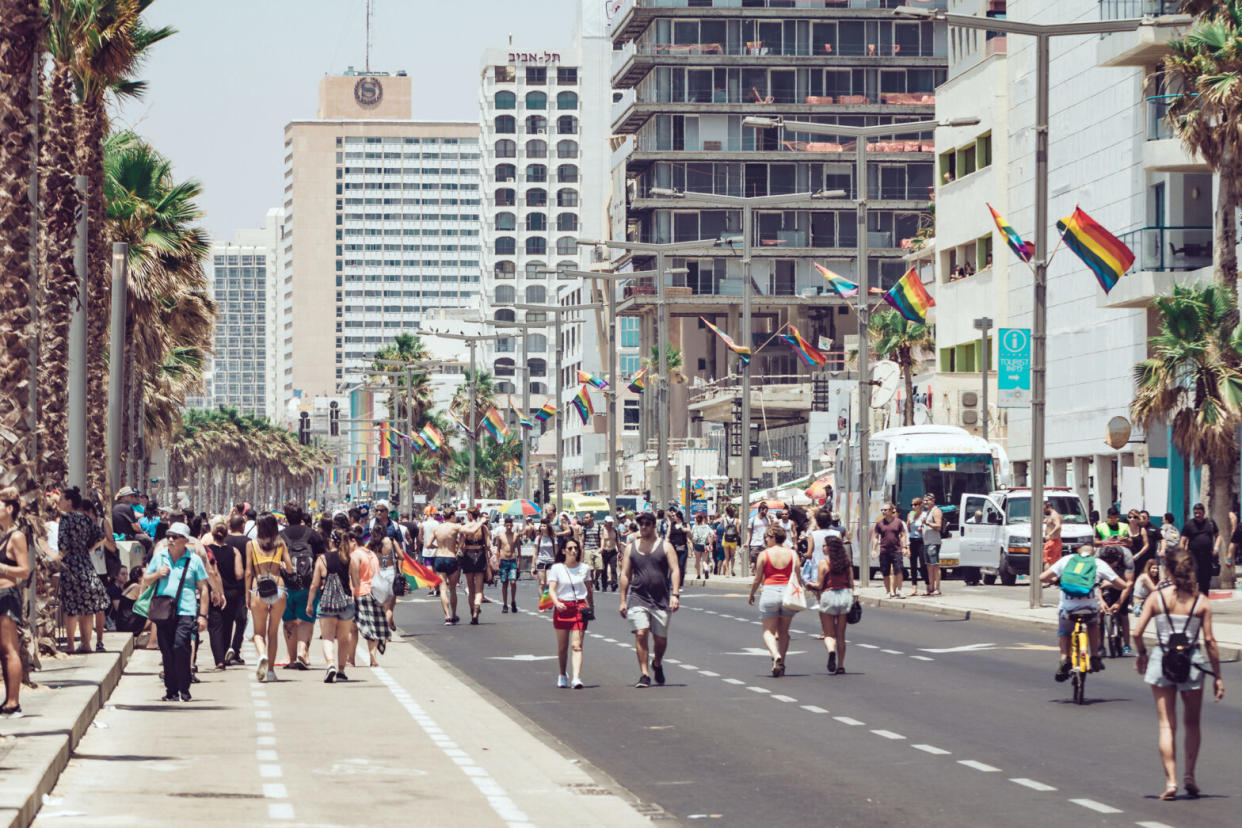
(1170, 794)
(1192, 790)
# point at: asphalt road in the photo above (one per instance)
(938, 722)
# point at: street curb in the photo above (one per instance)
(48, 767)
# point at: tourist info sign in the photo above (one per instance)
(1013, 371)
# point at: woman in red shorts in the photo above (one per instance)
(569, 584)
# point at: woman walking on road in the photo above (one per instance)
(370, 617)
(334, 582)
(267, 561)
(774, 568)
(835, 581)
(83, 595)
(14, 569)
(1179, 610)
(569, 584)
(222, 615)
(545, 553)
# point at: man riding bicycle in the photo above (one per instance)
(1117, 601)
(1080, 575)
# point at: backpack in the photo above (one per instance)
(333, 598)
(1176, 662)
(1078, 577)
(303, 557)
(730, 533)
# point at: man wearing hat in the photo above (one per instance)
(125, 522)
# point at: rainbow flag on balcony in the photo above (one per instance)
(1023, 250)
(840, 285)
(909, 298)
(1106, 255)
(582, 402)
(742, 351)
(807, 352)
(592, 380)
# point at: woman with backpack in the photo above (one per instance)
(1176, 664)
(731, 538)
(336, 574)
(267, 565)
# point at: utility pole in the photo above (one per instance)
(984, 324)
(472, 340)
(525, 328)
(116, 356)
(78, 347)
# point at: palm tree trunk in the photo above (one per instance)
(91, 126)
(907, 373)
(1221, 472)
(1225, 239)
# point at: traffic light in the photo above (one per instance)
(754, 439)
(547, 490)
(304, 428)
(647, 495)
(383, 467)
(334, 418)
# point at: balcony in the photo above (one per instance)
(1164, 256)
(1150, 43)
(1164, 150)
(633, 16)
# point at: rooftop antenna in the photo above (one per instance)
(368, 57)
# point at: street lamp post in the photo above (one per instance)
(525, 328)
(984, 324)
(472, 340)
(1043, 33)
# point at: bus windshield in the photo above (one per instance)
(947, 476)
(1018, 509)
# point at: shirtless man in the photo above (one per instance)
(508, 545)
(609, 548)
(444, 544)
(1052, 535)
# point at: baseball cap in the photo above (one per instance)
(126, 491)
(646, 516)
(608, 519)
(178, 529)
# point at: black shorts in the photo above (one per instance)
(891, 563)
(474, 560)
(446, 566)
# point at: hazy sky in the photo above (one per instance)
(222, 89)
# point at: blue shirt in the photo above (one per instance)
(187, 604)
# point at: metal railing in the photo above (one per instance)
(1170, 248)
(1129, 9)
(781, 4)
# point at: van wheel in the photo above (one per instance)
(989, 578)
(970, 575)
(1007, 576)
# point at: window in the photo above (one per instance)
(505, 295)
(566, 246)
(567, 197)
(567, 173)
(536, 295)
(629, 334)
(536, 342)
(505, 74)
(536, 149)
(538, 388)
(505, 315)
(506, 197)
(504, 365)
(506, 100)
(537, 367)
(567, 222)
(536, 100)
(631, 414)
(536, 125)
(536, 75)
(506, 221)
(536, 246)
(563, 265)
(506, 124)
(566, 149)
(506, 148)
(567, 75)
(533, 268)
(536, 173)
(983, 150)
(536, 222)
(567, 100)
(567, 125)
(506, 172)
(536, 197)
(506, 246)
(504, 270)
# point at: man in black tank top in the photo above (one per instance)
(648, 568)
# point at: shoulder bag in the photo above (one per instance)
(163, 607)
(794, 597)
(855, 613)
(586, 612)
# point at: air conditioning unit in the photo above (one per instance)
(968, 408)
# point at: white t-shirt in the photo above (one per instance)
(1069, 603)
(570, 583)
(758, 526)
(429, 532)
(787, 525)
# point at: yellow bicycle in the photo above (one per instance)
(1080, 654)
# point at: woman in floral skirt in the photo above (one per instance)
(82, 594)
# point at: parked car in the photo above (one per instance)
(1005, 532)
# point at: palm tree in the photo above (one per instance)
(1204, 71)
(904, 342)
(672, 359)
(1192, 382)
(484, 397)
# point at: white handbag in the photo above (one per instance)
(794, 597)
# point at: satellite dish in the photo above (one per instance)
(886, 378)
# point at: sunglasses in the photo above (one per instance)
(175, 537)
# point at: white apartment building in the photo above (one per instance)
(382, 229)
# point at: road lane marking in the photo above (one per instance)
(687, 666)
(279, 810)
(977, 765)
(709, 674)
(265, 727)
(888, 734)
(266, 756)
(275, 790)
(733, 681)
(965, 648)
(868, 646)
(1152, 824)
(270, 771)
(786, 699)
(846, 720)
(1098, 807)
(810, 708)
(754, 689)
(1032, 784)
(672, 661)
(893, 652)
(932, 749)
(922, 658)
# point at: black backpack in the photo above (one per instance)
(303, 557)
(1176, 662)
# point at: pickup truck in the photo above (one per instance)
(997, 528)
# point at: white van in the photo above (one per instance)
(997, 527)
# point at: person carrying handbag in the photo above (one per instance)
(569, 584)
(775, 570)
(178, 607)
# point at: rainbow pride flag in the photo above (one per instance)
(807, 352)
(433, 436)
(742, 351)
(417, 442)
(582, 402)
(417, 575)
(638, 381)
(545, 600)
(548, 410)
(1101, 251)
(524, 422)
(592, 380)
(840, 285)
(495, 425)
(909, 298)
(1023, 250)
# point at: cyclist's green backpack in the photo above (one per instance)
(1078, 577)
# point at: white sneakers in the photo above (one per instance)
(261, 671)
(562, 680)
(577, 684)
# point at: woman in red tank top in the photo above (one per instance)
(774, 568)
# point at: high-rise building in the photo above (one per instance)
(381, 230)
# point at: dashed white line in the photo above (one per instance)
(732, 681)
(754, 689)
(709, 674)
(846, 720)
(672, 661)
(687, 666)
(1098, 807)
(932, 749)
(810, 708)
(275, 790)
(922, 658)
(1152, 824)
(977, 765)
(893, 652)
(786, 699)
(1032, 784)
(279, 810)
(270, 771)
(868, 646)
(888, 734)
(266, 756)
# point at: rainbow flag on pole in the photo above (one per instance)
(807, 352)
(1100, 250)
(592, 380)
(495, 425)
(524, 422)
(840, 285)
(742, 351)
(638, 381)
(909, 298)
(582, 402)
(548, 410)
(1023, 250)
(433, 436)
(417, 575)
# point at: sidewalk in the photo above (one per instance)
(1009, 605)
(35, 748)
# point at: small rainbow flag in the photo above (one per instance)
(545, 600)
(637, 382)
(548, 410)
(433, 436)
(1023, 250)
(592, 380)
(582, 402)
(417, 442)
(1100, 250)
(742, 351)
(495, 425)
(462, 425)
(909, 298)
(524, 422)
(417, 575)
(385, 448)
(806, 351)
(840, 285)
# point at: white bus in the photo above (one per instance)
(908, 462)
